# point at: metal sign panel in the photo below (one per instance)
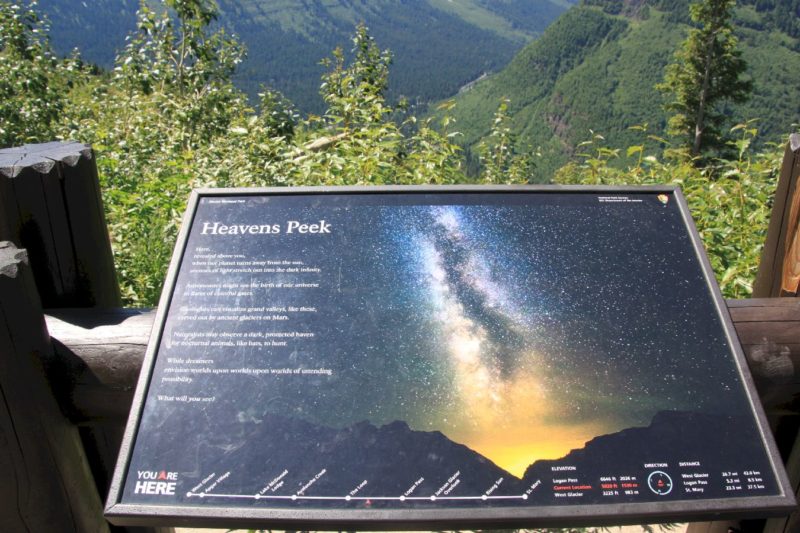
(439, 358)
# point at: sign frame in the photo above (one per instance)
(619, 513)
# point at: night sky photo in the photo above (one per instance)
(521, 326)
(523, 331)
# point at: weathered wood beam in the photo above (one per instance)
(779, 256)
(46, 483)
(104, 349)
(50, 204)
(99, 352)
(769, 332)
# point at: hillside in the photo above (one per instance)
(438, 45)
(96, 27)
(595, 68)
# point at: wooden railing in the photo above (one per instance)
(102, 351)
(67, 372)
(779, 270)
(55, 469)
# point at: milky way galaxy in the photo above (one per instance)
(521, 326)
(548, 325)
(499, 390)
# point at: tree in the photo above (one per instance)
(500, 160)
(706, 73)
(176, 64)
(33, 86)
(355, 92)
(158, 123)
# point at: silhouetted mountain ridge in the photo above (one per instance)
(394, 460)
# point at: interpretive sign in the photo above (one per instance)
(443, 357)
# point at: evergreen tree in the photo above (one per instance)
(707, 72)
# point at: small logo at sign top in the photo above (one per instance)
(155, 482)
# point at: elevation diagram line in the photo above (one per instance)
(352, 498)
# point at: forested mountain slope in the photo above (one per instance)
(438, 45)
(595, 69)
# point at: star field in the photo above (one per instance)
(520, 326)
(554, 324)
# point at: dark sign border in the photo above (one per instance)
(388, 519)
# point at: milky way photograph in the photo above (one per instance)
(444, 350)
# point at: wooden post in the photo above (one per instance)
(769, 332)
(46, 485)
(780, 261)
(50, 204)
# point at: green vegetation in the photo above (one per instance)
(730, 199)
(168, 119)
(96, 27)
(706, 73)
(34, 83)
(500, 159)
(596, 67)
(518, 20)
(440, 45)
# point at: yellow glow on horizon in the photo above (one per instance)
(504, 412)
(515, 450)
(510, 420)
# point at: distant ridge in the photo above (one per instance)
(438, 45)
(595, 69)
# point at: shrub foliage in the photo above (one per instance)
(168, 119)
